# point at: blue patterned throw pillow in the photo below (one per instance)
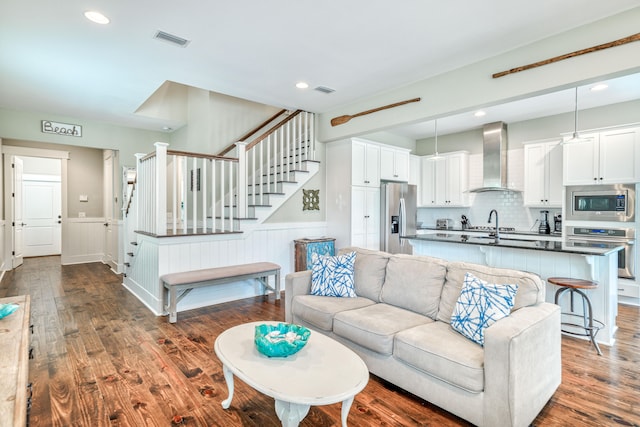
(332, 276)
(480, 305)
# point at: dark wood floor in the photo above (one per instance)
(102, 359)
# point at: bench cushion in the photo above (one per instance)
(216, 273)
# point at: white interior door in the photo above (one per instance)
(17, 220)
(42, 217)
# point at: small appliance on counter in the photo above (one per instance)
(444, 224)
(465, 222)
(544, 227)
(557, 223)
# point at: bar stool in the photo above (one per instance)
(589, 324)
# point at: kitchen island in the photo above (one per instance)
(547, 258)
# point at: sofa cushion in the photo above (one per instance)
(531, 289)
(480, 305)
(369, 271)
(374, 326)
(332, 276)
(414, 283)
(443, 353)
(318, 311)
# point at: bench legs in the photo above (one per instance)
(172, 298)
(173, 303)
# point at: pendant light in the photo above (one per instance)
(575, 137)
(435, 128)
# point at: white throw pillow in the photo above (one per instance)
(480, 305)
(332, 276)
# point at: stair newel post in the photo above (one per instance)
(241, 186)
(305, 135)
(139, 209)
(161, 189)
(175, 211)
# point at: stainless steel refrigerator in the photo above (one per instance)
(398, 216)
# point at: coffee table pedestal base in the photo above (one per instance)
(290, 414)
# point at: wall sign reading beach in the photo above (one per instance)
(61, 128)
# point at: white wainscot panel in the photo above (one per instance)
(83, 241)
(157, 256)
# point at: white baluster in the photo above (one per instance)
(231, 196)
(214, 196)
(222, 201)
(204, 195)
(288, 154)
(241, 186)
(194, 195)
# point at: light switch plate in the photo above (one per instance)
(81, 215)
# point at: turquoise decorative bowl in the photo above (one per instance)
(7, 309)
(281, 340)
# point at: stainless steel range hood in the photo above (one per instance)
(494, 158)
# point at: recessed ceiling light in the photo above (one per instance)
(96, 17)
(479, 113)
(302, 85)
(599, 86)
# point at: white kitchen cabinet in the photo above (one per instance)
(543, 174)
(444, 180)
(365, 217)
(365, 164)
(608, 157)
(394, 164)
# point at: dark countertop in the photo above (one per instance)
(512, 241)
(471, 232)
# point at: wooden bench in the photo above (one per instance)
(185, 281)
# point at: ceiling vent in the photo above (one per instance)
(170, 38)
(324, 89)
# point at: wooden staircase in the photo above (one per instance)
(174, 193)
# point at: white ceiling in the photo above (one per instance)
(54, 60)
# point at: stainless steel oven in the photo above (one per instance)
(615, 202)
(594, 236)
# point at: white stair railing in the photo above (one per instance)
(180, 193)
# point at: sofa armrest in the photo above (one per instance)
(522, 363)
(298, 283)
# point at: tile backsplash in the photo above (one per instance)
(509, 204)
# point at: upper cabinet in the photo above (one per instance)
(365, 165)
(444, 180)
(543, 174)
(608, 157)
(394, 164)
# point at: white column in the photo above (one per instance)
(136, 192)
(161, 188)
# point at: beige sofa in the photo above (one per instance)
(399, 325)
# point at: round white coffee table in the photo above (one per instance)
(321, 373)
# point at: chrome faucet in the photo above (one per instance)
(497, 233)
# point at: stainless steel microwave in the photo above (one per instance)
(615, 202)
